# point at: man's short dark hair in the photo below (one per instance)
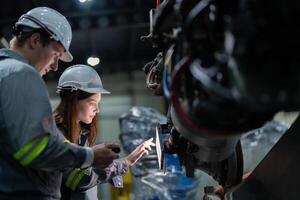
(22, 33)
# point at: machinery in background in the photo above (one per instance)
(3, 42)
(136, 126)
(225, 67)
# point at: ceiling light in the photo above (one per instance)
(93, 61)
(83, 1)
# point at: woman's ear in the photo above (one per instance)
(34, 41)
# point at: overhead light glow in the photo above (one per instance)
(83, 1)
(93, 61)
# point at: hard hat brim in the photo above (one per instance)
(66, 57)
(95, 90)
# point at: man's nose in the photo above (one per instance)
(97, 109)
(54, 64)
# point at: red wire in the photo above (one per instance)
(184, 63)
(157, 3)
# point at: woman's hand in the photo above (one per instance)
(140, 151)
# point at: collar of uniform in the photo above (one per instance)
(12, 54)
(84, 131)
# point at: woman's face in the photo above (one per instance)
(88, 108)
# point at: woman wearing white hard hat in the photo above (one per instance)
(81, 90)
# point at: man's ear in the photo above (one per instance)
(34, 41)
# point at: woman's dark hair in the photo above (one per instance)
(65, 117)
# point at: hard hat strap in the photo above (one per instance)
(69, 88)
(43, 26)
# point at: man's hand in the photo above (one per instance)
(103, 155)
(140, 151)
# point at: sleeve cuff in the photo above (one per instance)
(89, 158)
(117, 181)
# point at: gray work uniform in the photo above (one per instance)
(32, 149)
(84, 187)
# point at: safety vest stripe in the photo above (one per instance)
(35, 144)
(71, 176)
(31, 150)
(35, 152)
(24, 150)
(67, 141)
(78, 179)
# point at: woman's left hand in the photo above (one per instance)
(141, 150)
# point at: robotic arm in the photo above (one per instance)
(225, 67)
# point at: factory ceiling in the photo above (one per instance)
(108, 29)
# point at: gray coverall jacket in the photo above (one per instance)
(32, 149)
(81, 184)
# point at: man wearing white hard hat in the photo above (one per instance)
(33, 150)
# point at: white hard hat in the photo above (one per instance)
(81, 77)
(52, 22)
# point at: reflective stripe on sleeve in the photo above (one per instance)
(75, 177)
(71, 177)
(67, 141)
(31, 150)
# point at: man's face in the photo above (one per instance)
(49, 56)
